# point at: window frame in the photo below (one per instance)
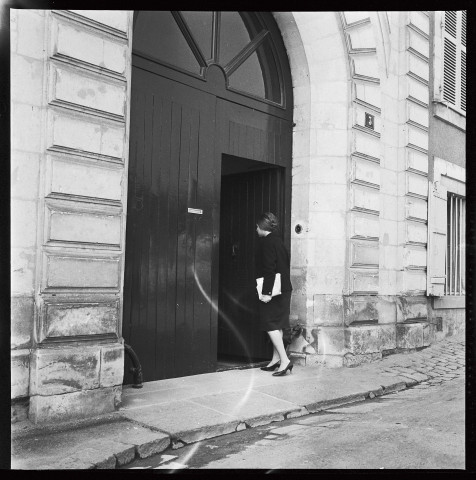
(451, 288)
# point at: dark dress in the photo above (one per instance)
(273, 257)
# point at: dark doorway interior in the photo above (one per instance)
(248, 188)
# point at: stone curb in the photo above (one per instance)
(395, 385)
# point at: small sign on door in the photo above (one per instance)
(196, 211)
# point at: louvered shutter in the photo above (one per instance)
(463, 60)
(463, 81)
(449, 75)
(437, 226)
(463, 28)
(454, 59)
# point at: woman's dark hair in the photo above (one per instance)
(268, 221)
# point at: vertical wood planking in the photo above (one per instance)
(181, 295)
(204, 237)
(170, 197)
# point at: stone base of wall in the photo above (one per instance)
(75, 381)
(73, 406)
(309, 359)
(352, 360)
(365, 328)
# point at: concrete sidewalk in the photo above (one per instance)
(184, 410)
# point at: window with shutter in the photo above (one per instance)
(454, 59)
(446, 246)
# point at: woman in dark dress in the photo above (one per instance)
(272, 257)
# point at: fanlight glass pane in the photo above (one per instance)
(157, 35)
(249, 77)
(201, 26)
(258, 75)
(234, 36)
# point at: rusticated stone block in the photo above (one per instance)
(76, 405)
(95, 49)
(361, 308)
(65, 370)
(88, 92)
(388, 337)
(411, 308)
(66, 271)
(72, 319)
(409, 335)
(366, 339)
(22, 309)
(85, 227)
(386, 309)
(362, 339)
(85, 180)
(115, 19)
(20, 373)
(331, 341)
(351, 360)
(112, 365)
(328, 309)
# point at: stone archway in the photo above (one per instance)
(335, 70)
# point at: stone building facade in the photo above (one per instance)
(378, 156)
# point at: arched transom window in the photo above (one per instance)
(239, 42)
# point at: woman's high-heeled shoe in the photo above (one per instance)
(283, 372)
(271, 367)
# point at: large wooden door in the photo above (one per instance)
(244, 196)
(167, 308)
(204, 84)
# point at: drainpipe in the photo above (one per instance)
(136, 370)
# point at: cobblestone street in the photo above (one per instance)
(436, 364)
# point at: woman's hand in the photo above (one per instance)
(266, 298)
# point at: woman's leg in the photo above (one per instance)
(275, 358)
(276, 337)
